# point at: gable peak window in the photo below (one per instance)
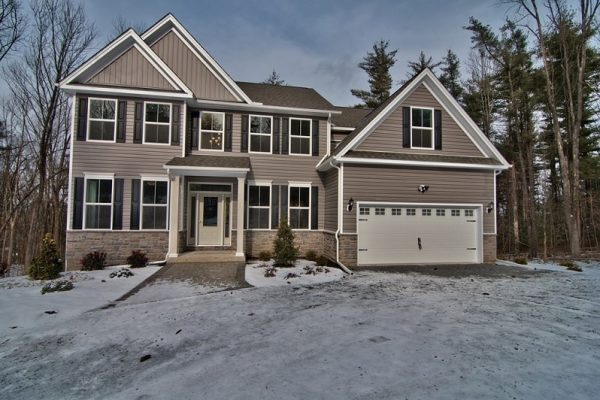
(102, 120)
(421, 128)
(212, 130)
(157, 123)
(300, 136)
(261, 132)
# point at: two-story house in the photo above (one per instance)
(170, 154)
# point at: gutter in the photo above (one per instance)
(337, 232)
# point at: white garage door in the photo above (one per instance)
(418, 234)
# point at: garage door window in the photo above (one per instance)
(468, 213)
(426, 212)
(455, 213)
(365, 211)
(379, 211)
(440, 212)
(396, 211)
(411, 211)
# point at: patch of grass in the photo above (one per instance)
(521, 260)
(571, 266)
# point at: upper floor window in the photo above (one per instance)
(299, 211)
(155, 195)
(300, 136)
(261, 130)
(102, 120)
(212, 130)
(259, 206)
(421, 127)
(98, 203)
(157, 123)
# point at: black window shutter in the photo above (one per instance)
(118, 205)
(121, 121)
(138, 122)
(82, 121)
(437, 118)
(405, 126)
(244, 148)
(176, 125)
(315, 137)
(276, 135)
(195, 129)
(134, 223)
(275, 206)
(228, 131)
(285, 132)
(314, 207)
(78, 203)
(284, 202)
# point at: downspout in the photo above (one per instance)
(337, 232)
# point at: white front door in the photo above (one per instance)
(210, 220)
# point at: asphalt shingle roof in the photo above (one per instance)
(350, 117)
(422, 157)
(210, 161)
(285, 96)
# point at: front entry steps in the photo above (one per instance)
(205, 257)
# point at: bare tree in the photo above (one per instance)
(121, 24)
(11, 25)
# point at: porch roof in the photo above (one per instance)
(209, 165)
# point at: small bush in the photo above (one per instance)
(571, 266)
(137, 259)
(264, 255)
(311, 255)
(270, 272)
(521, 260)
(3, 269)
(291, 275)
(57, 286)
(121, 273)
(322, 261)
(93, 261)
(285, 251)
(47, 264)
(319, 268)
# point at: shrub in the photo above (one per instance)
(291, 275)
(3, 269)
(264, 255)
(47, 264)
(311, 255)
(270, 272)
(284, 248)
(121, 273)
(137, 259)
(57, 286)
(521, 260)
(93, 261)
(322, 261)
(571, 266)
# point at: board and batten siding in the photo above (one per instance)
(192, 71)
(396, 184)
(131, 69)
(125, 160)
(387, 137)
(330, 182)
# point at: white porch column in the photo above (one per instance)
(174, 216)
(240, 217)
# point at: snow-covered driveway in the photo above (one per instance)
(369, 336)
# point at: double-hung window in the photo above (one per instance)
(98, 203)
(300, 136)
(421, 128)
(299, 208)
(261, 132)
(102, 120)
(259, 206)
(155, 194)
(212, 130)
(157, 123)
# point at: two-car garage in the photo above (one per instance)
(403, 233)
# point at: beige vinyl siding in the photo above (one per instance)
(393, 184)
(387, 136)
(330, 182)
(131, 69)
(190, 69)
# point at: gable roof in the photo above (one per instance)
(169, 23)
(430, 81)
(285, 96)
(111, 52)
(350, 116)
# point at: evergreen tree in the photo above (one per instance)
(377, 65)
(450, 76)
(47, 264)
(274, 79)
(423, 62)
(285, 251)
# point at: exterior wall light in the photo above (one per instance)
(350, 205)
(423, 188)
(490, 207)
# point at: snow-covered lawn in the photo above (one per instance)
(302, 273)
(368, 336)
(23, 307)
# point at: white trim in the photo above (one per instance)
(423, 128)
(148, 178)
(250, 133)
(188, 196)
(100, 90)
(103, 177)
(89, 119)
(259, 107)
(341, 197)
(495, 210)
(357, 160)
(264, 184)
(70, 183)
(196, 48)
(300, 185)
(222, 131)
(342, 128)
(184, 130)
(309, 154)
(144, 122)
(261, 182)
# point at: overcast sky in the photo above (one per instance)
(310, 43)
